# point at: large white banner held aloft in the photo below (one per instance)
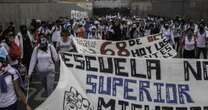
(94, 82)
(153, 46)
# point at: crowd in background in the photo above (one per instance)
(36, 46)
(184, 34)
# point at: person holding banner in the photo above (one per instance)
(168, 34)
(134, 31)
(9, 85)
(44, 58)
(189, 44)
(177, 32)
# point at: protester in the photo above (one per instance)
(109, 31)
(94, 34)
(44, 29)
(80, 31)
(56, 33)
(37, 25)
(134, 32)
(177, 33)
(168, 34)
(201, 38)
(116, 31)
(148, 28)
(44, 58)
(9, 86)
(66, 43)
(155, 29)
(189, 44)
(14, 52)
(25, 40)
(11, 27)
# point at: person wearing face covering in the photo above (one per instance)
(44, 58)
(189, 44)
(9, 85)
(168, 34)
(7, 43)
(66, 43)
(134, 32)
(201, 38)
(94, 34)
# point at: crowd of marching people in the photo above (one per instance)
(35, 48)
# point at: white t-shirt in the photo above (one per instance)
(45, 60)
(201, 40)
(96, 36)
(177, 32)
(65, 46)
(9, 98)
(167, 34)
(189, 45)
(56, 36)
(147, 33)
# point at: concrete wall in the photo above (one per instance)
(197, 8)
(141, 8)
(168, 7)
(22, 13)
(25, 1)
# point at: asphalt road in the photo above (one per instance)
(36, 92)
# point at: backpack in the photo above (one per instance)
(14, 51)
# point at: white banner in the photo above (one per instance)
(75, 14)
(153, 46)
(95, 82)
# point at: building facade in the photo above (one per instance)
(22, 11)
(170, 8)
(26, 1)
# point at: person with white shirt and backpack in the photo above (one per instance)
(44, 58)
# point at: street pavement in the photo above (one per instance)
(36, 92)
